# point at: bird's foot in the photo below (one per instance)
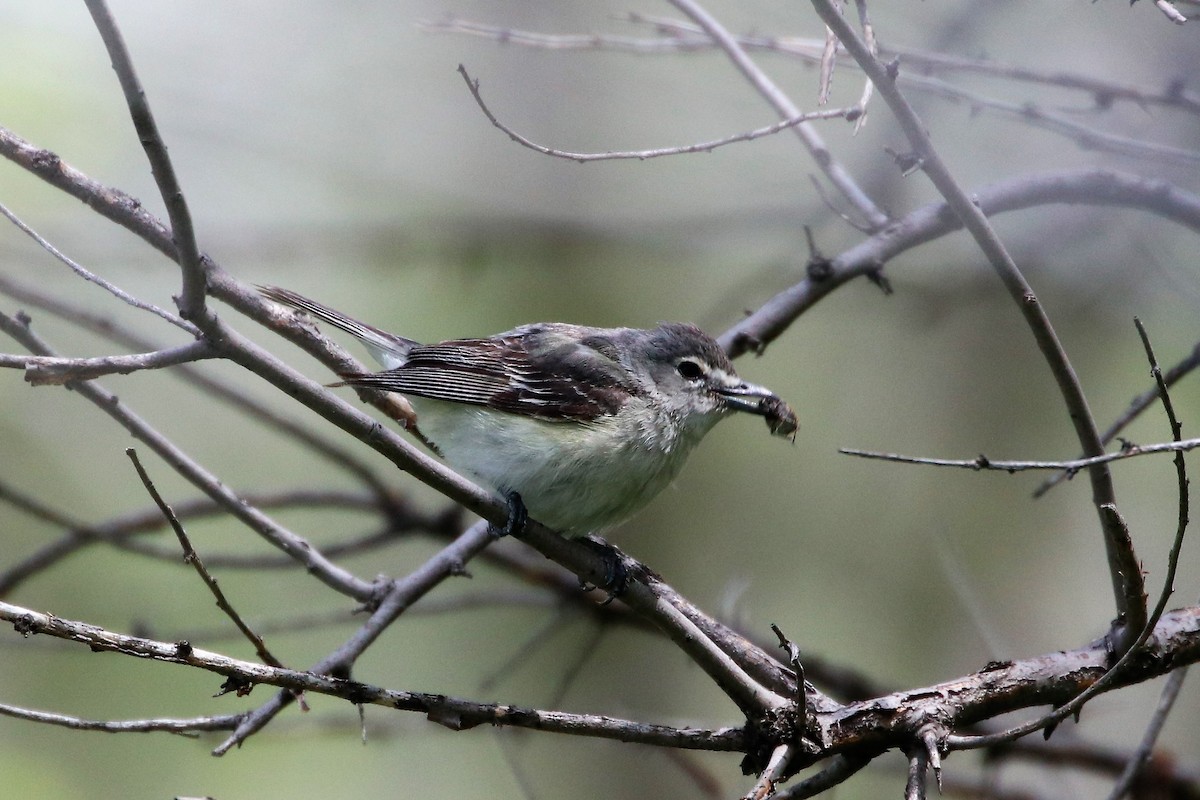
(616, 574)
(518, 516)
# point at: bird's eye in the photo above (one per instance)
(690, 370)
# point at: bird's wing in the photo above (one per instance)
(535, 371)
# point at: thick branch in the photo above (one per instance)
(869, 725)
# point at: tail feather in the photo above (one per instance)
(388, 349)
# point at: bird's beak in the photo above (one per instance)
(739, 395)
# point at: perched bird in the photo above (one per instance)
(582, 426)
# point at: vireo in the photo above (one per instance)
(584, 425)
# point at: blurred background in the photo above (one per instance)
(334, 149)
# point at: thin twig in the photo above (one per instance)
(404, 592)
(88, 275)
(1136, 407)
(841, 768)
(584, 41)
(1135, 767)
(768, 780)
(875, 217)
(190, 556)
(181, 727)
(687, 37)
(793, 658)
(401, 595)
(122, 532)
(864, 21)
(984, 463)
(642, 155)
(930, 737)
(1084, 136)
(1166, 701)
(45, 371)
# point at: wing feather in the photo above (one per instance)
(539, 371)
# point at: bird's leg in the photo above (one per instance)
(616, 574)
(518, 515)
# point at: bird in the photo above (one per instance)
(578, 427)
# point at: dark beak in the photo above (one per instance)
(753, 399)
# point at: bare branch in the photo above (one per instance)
(112, 204)
(451, 712)
(984, 463)
(918, 770)
(816, 147)
(46, 371)
(687, 37)
(191, 299)
(122, 532)
(400, 596)
(642, 155)
(868, 724)
(1128, 587)
(181, 727)
(1166, 701)
(1127, 661)
(1136, 766)
(586, 41)
(88, 275)
(190, 556)
(329, 573)
(1075, 187)
(864, 21)
(236, 397)
(1136, 407)
(764, 787)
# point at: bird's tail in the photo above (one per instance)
(388, 349)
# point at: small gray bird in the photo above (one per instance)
(583, 425)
